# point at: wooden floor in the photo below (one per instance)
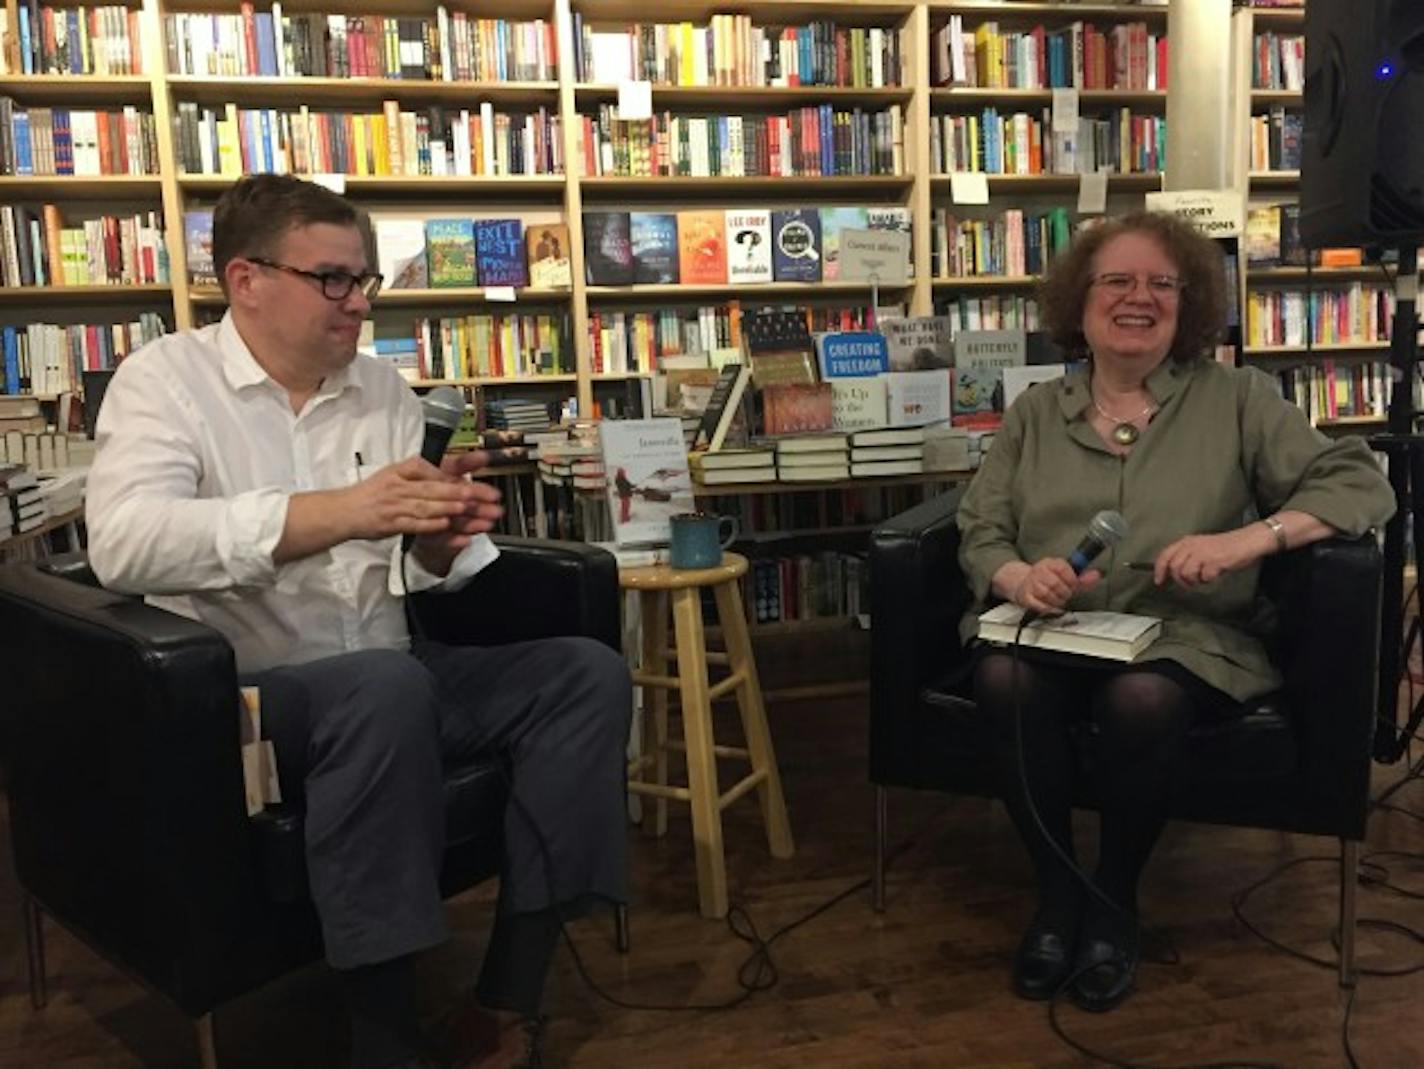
(925, 984)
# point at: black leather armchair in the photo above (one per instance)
(120, 737)
(1297, 760)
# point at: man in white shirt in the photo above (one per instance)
(258, 475)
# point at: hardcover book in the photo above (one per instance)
(549, 265)
(451, 245)
(852, 354)
(920, 342)
(1114, 636)
(796, 245)
(797, 409)
(499, 248)
(649, 481)
(915, 398)
(833, 221)
(748, 247)
(198, 241)
(859, 404)
(400, 254)
(654, 238)
(702, 247)
(980, 357)
(608, 249)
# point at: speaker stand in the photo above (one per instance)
(1404, 450)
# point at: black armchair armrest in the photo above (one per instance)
(125, 782)
(1328, 598)
(538, 588)
(916, 601)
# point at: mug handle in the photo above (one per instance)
(732, 533)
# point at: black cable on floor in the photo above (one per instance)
(1372, 873)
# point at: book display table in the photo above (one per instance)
(665, 591)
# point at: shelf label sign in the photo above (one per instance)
(499, 293)
(1217, 213)
(1093, 193)
(334, 182)
(635, 100)
(969, 187)
(879, 256)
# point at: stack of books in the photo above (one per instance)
(512, 414)
(730, 467)
(946, 448)
(813, 458)
(22, 507)
(887, 451)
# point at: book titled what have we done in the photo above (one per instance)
(1113, 636)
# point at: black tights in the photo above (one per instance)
(1142, 719)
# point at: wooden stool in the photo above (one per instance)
(654, 585)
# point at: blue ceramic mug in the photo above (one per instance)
(698, 541)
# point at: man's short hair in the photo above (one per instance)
(254, 215)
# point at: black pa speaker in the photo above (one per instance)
(1362, 155)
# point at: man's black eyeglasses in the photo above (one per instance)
(335, 285)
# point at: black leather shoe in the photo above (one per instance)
(1044, 959)
(1105, 971)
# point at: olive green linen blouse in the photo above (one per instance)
(1223, 449)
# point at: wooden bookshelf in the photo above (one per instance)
(566, 98)
(1332, 349)
(986, 282)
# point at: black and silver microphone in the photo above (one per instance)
(1106, 529)
(444, 408)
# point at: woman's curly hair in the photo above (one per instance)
(1201, 310)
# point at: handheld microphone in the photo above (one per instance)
(444, 408)
(1107, 528)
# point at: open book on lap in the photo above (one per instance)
(1113, 636)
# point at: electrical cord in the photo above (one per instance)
(757, 972)
(1169, 957)
(1371, 874)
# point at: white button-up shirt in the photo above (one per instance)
(198, 453)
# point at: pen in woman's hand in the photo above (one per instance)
(1140, 565)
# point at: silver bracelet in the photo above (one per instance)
(1278, 529)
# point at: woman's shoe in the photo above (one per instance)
(1045, 957)
(1104, 972)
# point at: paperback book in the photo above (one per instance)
(400, 254)
(649, 480)
(796, 245)
(451, 245)
(549, 265)
(748, 247)
(499, 250)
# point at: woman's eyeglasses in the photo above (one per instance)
(335, 285)
(1120, 284)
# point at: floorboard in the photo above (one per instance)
(924, 984)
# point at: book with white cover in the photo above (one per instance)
(649, 481)
(748, 247)
(400, 253)
(1113, 636)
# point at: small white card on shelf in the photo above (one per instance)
(1093, 193)
(969, 187)
(500, 293)
(635, 100)
(334, 182)
(1065, 111)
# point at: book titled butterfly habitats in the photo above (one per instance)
(649, 481)
(1113, 636)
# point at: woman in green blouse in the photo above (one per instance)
(1213, 471)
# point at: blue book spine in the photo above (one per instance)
(26, 63)
(24, 156)
(12, 358)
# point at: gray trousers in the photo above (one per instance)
(362, 737)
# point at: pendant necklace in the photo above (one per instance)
(1125, 431)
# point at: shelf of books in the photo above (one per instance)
(1318, 321)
